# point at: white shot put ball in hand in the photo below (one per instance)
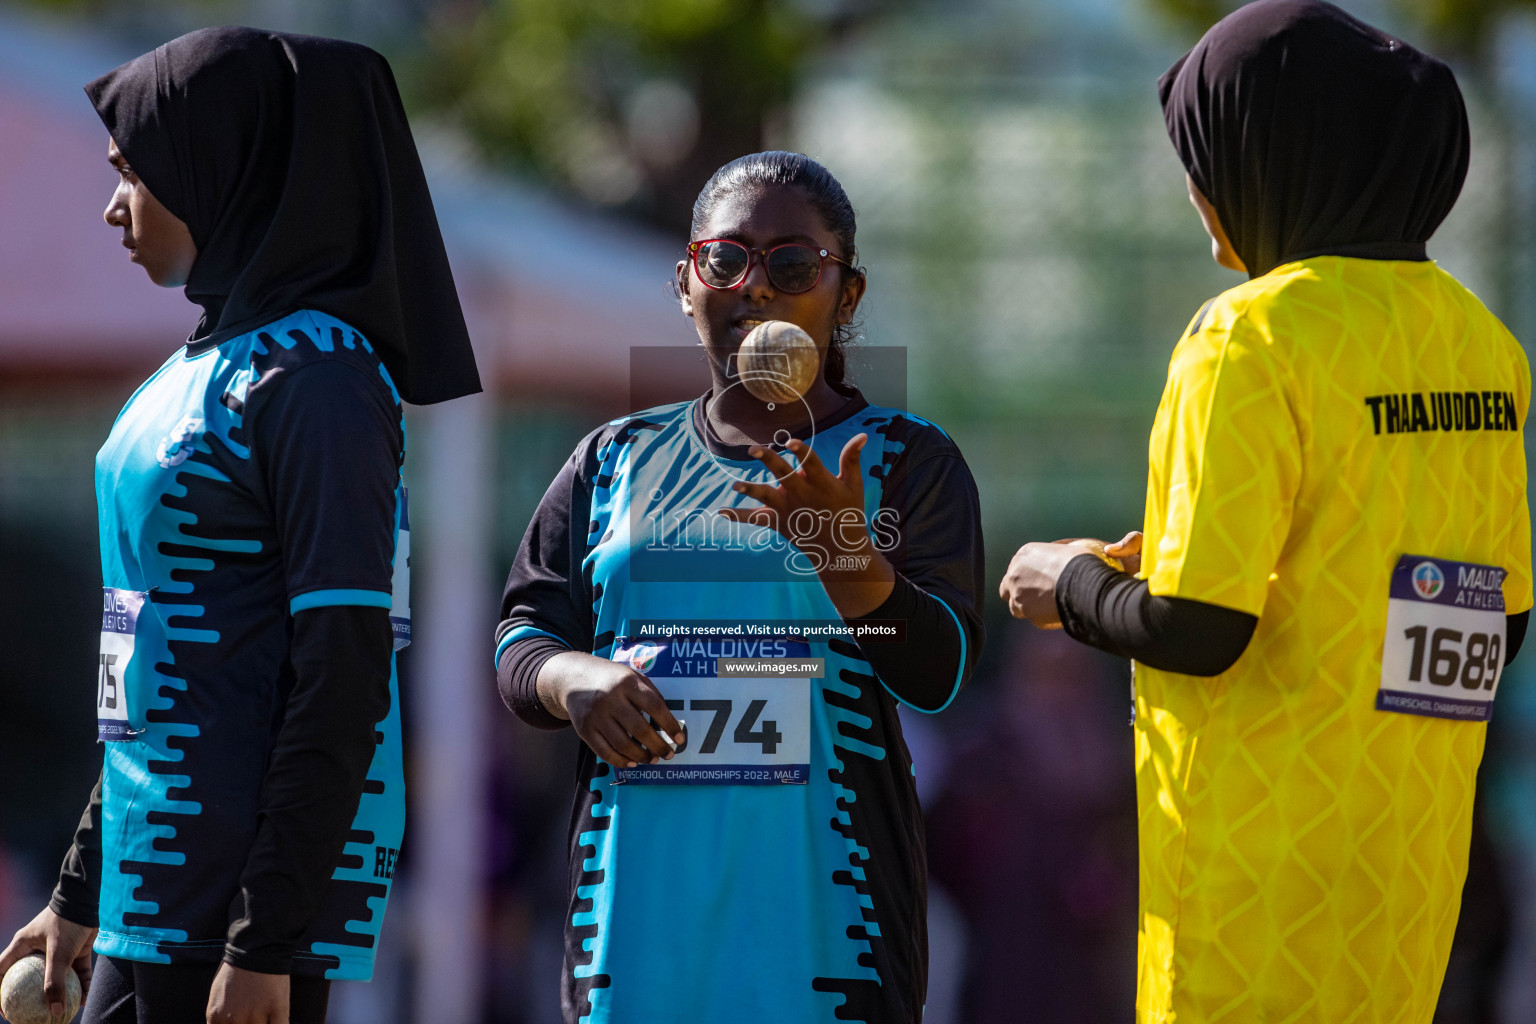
(778, 362)
(21, 993)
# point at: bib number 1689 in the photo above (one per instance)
(1443, 651)
(1475, 665)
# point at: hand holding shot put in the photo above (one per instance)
(46, 970)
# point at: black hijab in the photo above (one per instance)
(1313, 133)
(291, 162)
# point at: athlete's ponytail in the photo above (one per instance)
(825, 193)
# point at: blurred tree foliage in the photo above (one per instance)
(627, 103)
(1462, 28)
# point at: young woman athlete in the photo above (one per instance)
(1336, 564)
(235, 855)
(747, 846)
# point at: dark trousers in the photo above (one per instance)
(129, 992)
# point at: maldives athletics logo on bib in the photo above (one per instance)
(643, 657)
(1428, 580)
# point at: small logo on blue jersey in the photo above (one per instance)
(1428, 580)
(177, 446)
(643, 657)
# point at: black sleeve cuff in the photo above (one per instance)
(78, 893)
(1105, 608)
(1514, 634)
(901, 603)
(267, 960)
(927, 668)
(1081, 592)
(74, 911)
(517, 679)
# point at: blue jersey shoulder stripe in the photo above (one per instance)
(327, 598)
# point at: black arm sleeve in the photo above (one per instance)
(310, 793)
(547, 604)
(940, 566)
(1514, 634)
(329, 443)
(517, 679)
(1115, 612)
(77, 894)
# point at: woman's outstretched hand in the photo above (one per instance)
(823, 516)
(607, 703)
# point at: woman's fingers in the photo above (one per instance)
(56, 968)
(813, 481)
(1127, 551)
(25, 943)
(643, 733)
(650, 701)
(1130, 544)
(603, 751)
(83, 969)
(752, 516)
(813, 470)
(609, 708)
(848, 461)
(624, 750)
(780, 469)
(620, 732)
(769, 495)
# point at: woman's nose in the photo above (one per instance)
(756, 284)
(116, 213)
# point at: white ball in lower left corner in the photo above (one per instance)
(21, 993)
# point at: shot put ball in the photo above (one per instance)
(21, 993)
(778, 362)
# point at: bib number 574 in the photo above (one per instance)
(766, 735)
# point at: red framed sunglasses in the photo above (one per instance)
(794, 267)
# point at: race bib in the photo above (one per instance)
(744, 723)
(400, 589)
(119, 623)
(1444, 649)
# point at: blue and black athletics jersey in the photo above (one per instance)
(775, 870)
(243, 485)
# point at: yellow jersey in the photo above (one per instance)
(1302, 852)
